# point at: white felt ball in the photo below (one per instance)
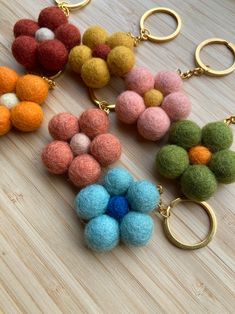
(9, 100)
(44, 34)
(80, 144)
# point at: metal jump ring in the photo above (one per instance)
(75, 5)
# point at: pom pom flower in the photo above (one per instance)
(81, 146)
(117, 211)
(198, 158)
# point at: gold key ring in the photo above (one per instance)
(73, 6)
(160, 39)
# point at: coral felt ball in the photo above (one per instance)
(94, 122)
(78, 56)
(140, 80)
(121, 60)
(25, 27)
(177, 105)
(102, 233)
(199, 155)
(27, 116)
(118, 207)
(172, 161)
(57, 157)
(168, 82)
(8, 79)
(24, 51)
(106, 148)
(5, 121)
(9, 100)
(143, 196)
(117, 181)
(223, 166)
(129, 106)
(198, 183)
(153, 123)
(94, 36)
(80, 144)
(63, 126)
(32, 88)
(95, 73)
(101, 51)
(120, 39)
(52, 17)
(69, 34)
(153, 98)
(136, 229)
(84, 170)
(91, 201)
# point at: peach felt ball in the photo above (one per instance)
(63, 126)
(8, 79)
(129, 106)
(153, 123)
(168, 82)
(177, 106)
(139, 80)
(80, 144)
(106, 148)
(5, 121)
(57, 157)
(84, 170)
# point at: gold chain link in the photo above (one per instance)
(230, 120)
(50, 82)
(103, 105)
(165, 211)
(64, 7)
(194, 72)
(143, 36)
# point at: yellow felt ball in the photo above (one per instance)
(94, 36)
(5, 121)
(78, 56)
(95, 73)
(120, 39)
(153, 98)
(121, 60)
(8, 79)
(27, 116)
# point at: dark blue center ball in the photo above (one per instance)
(118, 207)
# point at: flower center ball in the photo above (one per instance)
(43, 34)
(199, 155)
(118, 207)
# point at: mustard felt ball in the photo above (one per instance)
(121, 60)
(94, 36)
(78, 56)
(95, 73)
(120, 39)
(153, 98)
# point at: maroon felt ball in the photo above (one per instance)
(94, 122)
(24, 49)
(101, 51)
(63, 126)
(69, 35)
(52, 17)
(52, 55)
(25, 27)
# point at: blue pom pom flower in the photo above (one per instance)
(117, 211)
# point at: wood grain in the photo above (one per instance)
(44, 266)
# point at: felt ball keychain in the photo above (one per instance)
(102, 55)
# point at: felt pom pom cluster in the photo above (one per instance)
(81, 146)
(199, 158)
(45, 44)
(20, 100)
(151, 102)
(118, 210)
(101, 55)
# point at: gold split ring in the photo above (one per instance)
(74, 6)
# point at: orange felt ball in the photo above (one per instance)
(8, 79)
(32, 88)
(26, 116)
(5, 121)
(200, 155)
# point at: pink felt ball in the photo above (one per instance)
(57, 157)
(139, 80)
(84, 170)
(129, 106)
(177, 106)
(168, 82)
(153, 123)
(101, 51)
(63, 126)
(106, 148)
(80, 144)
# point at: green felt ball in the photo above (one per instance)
(217, 136)
(172, 161)
(223, 166)
(185, 133)
(198, 183)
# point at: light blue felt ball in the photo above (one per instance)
(91, 201)
(117, 181)
(143, 196)
(136, 229)
(102, 233)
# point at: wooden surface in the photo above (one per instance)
(44, 266)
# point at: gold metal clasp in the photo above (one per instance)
(67, 7)
(230, 120)
(102, 104)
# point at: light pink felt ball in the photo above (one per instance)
(129, 106)
(140, 80)
(177, 106)
(80, 144)
(63, 126)
(168, 82)
(153, 123)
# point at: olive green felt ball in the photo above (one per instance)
(121, 60)
(198, 183)
(95, 73)
(94, 36)
(217, 136)
(223, 166)
(172, 161)
(120, 39)
(78, 56)
(185, 133)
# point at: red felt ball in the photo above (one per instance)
(69, 35)
(101, 51)
(63, 126)
(24, 49)
(84, 170)
(52, 55)
(52, 17)
(25, 27)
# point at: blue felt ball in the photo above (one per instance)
(117, 181)
(118, 207)
(143, 196)
(91, 201)
(102, 233)
(136, 229)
